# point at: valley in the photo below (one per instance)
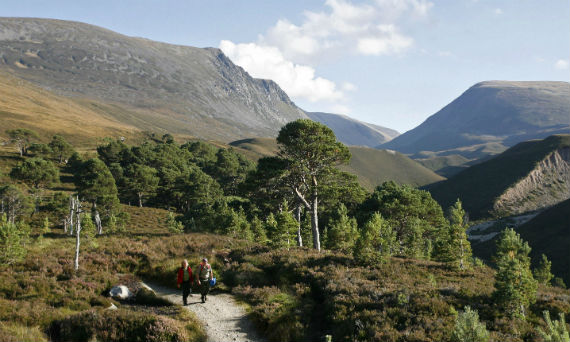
(122, 156)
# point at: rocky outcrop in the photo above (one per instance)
(546, 185)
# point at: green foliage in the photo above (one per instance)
(15, 202)
(174, 225)
(142, 180)
(40, 150)
(542, 272)
(343, 231)
(281, 228)
(515, 286)
(312, 152)
(13, 239)
(468, 328)
(377, 241)
(60, 148)
(95, 184)
(413, 215)
(22, 137)
(36, 172)
(88, 229)
(230, 170)
(258, 230)
(452, 244)
(557, 331)
(558, 282)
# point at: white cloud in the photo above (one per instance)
(561, 64)
(347, 86)
(498, 11)
(368, 28)
(287, 52)
(298, 81)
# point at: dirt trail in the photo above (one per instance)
(223, 318)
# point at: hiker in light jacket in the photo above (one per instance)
(185, 279)
(203, 275)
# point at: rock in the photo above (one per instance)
(112, 307)
(120, 292)
(145, 286)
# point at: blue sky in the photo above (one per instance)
(388, 62)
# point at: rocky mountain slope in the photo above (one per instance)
(353, 132)
(488, 118)
(529, 176)
(372, 166)
(157, 86)
(547, 232)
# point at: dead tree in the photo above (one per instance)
(78, 212)
(97, 219)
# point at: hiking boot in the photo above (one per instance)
(203, 299)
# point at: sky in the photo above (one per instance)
(388, 62)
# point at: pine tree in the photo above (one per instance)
(173, 225)
(557, 331)
(542, 272)
(258, 230)
(343, 231)
(468, 328)
(285, 232)
(13, 239)
(514, 283)
(376, 242)
(453, 246)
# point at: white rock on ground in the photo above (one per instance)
(120, 292)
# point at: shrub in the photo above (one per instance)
(468, 328)
(557, 331)
(117, 325)
(13, 238)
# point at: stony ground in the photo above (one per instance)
(223, 318)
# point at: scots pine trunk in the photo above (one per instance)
(315, 217)
(77, 233)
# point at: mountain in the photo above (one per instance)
(488, 118)
(24, 105)
(372, 166)
(547, 233)
(353, 132)
(155, 86)
(529, 176)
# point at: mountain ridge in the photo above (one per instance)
(354, 132)
(489, 117)
(190, 90)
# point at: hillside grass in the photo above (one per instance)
(372, 167)
(479, 185)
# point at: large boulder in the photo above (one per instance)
(120, 292)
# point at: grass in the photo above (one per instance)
(372, 166)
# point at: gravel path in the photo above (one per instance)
(223, 318)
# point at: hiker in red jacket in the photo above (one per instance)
(185, 278)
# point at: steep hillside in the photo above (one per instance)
(372, 166)
(547, 233)
(488, 118)
(156, 86)
(354, 132)
(529, 176)
(23, 105)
